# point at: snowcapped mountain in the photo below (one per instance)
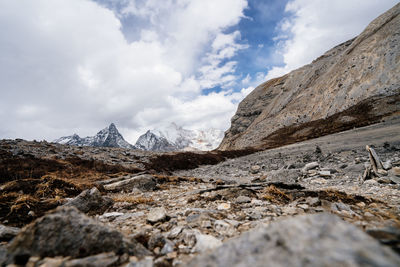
(174, 138)
(108, 137)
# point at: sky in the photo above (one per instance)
(75, 66)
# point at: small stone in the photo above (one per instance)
(242, 199)
(109, 215)
(206, 242)
(303, 206)
(313, 201)
(7, 233)
(256, 202)
(206, 224)
(289, 210)
(324, 173)
(158, 214)
(224, 228)
(396, 171)
(387, 165)
(394, 179)
(175, 232)
(384, 180)
(255, 169)
(146, 262)
(102, 260)
(224, 206)
(310, 166)
(167, 248)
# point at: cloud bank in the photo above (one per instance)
(67, 66)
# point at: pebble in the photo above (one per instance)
(156, 215)
(242, 199)
(310, 166)
(224, 206)
(255, 169)
(206, 242)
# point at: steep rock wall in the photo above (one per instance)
(354, 84)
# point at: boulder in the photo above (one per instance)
(67, 232)
(307, 240)
(91, 202)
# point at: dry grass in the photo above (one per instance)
(274, 195)
(132, 199)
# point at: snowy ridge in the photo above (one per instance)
(175, 138)
(108, 137)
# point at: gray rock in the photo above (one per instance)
(307, 240)
(224, 228)
(7, 233)
(146, 262)
(255, 169)
(168, 247)
(144, 182)
(158, 214)
(242, 199)
(3, 255)
(100, 260)
(66, 232)
(387, 165)
(206, 242)
(91, 202)
(310, 166)
(325, 173)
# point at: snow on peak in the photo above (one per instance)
(107, 137)
(173, 138)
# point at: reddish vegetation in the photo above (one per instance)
(192, 160)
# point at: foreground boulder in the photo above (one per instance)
(354, 84)
(91, 202)
(68, 232)
(308, 240)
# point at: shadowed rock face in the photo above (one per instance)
(354, 84)
(311, 240)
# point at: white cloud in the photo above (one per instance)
(66, 66)
(315, 26)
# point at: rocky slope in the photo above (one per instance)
(354, 84)
(176, 138)
(107, 137)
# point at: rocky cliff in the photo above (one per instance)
(354, 84)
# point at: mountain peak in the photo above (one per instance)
(112, 127)
(173, 137)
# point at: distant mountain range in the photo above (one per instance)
(170, 138)
(108, 137)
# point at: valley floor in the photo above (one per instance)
(175, 214)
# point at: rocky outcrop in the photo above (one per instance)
(309, 240)
(354, 84)
(67, 232)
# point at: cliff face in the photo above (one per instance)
(354, 84)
